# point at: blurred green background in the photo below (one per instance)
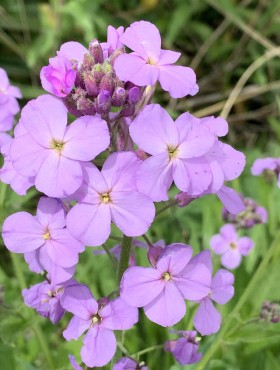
(233, 47)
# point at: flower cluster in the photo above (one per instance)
(269, 166)
(9, 106)
(107, 165)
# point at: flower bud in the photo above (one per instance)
(91, 84)
(96, 51)
(88, 62)
(86, 106)
(103, 102)
(97, 72)
(119, 96)
(128, 110)
(183, 199)
(154, 254)
(134, 95)
(70, 104)
(107, 83)
(107, 67)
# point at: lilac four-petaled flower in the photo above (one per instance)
(149, 63)
(161, 290)
(44, 239)
(99, 319)
(230, 246)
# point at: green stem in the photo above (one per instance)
(125, 254)
(36, 328)
(146, 350)
(167, 206)
(243, 299)
(3, 190)
(109, 254)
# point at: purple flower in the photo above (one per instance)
(99, 319)
(53, 152)
(126, 363)
(207, 319)
(184, 349)
(45, 298)
(73, 51)
(177, 153)
(149, 63)
(267, 165)
(230, 246)
(43, 238)
(74, 363)
(162, 289)
(253, 214)
(111, 196)
(8, 94)
(113, 41)
(58, 77)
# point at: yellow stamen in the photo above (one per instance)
(173, 152)
(57, 145)
(233, 246)
(166, 276)
(47, 235)
(105, 197)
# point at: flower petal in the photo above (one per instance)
(207, 319)
(78, 300)
(76, 328)
(231, 200)
(50, 213)
(85, 138)
(168, 308)
(222, 286)
(22, 233)
(245, 245)
(178, 81)
(90, 223)
(99, 346)
(153, 130)
(231, 259)
(132, 212)
(140, 285)
(73, 51)
(174, 259)
(118, 315)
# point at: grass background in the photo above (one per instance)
(233, 47)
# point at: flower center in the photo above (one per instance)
(47, 235)
(152, 61)
(57, 145)
(172, 152)
(166, 276)
(105, 197)
(96, 319)
(233, 246)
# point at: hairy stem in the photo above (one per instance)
(169, 204)
(125, 254)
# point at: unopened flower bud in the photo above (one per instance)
(70, 104)
(86, 106)
(154, 254)
(119, 96)
(88, 62)
(270, 311)
(183, 199)
(96, 51)
(97, 72)
(103, 102)
(134, 95)
(91, 84)
(107, 67)
(107, 83)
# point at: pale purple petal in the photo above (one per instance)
(218, 176)
(125, 363)
(263, 164)
(74, 363)
(26, 155)
(168, 57)
(200, 175)
(181, 175)
(231, 200)
(228, 231)
(219, 244)
(50, 213)
(202, 257)
(119, 171)
(76, 328)
(222, 286)
(174, 259)
(45, 119)
(154, 130)
(79, 301)
(59, 176)
(168, 308)
(217, 125)
(178, 81)
(132, 212)
(73, 51)
(99, 347)
(245, 245)
(118, 315)
(22, 233)
(141, 285)
(133, 68)
(207, 319)
(33, 261)
(90, 223)
(144, 38)
(56, 311)
(155, 177)
(85, 138)
(231, 161)
(194, 282)
(197, 142)
(231, 259)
